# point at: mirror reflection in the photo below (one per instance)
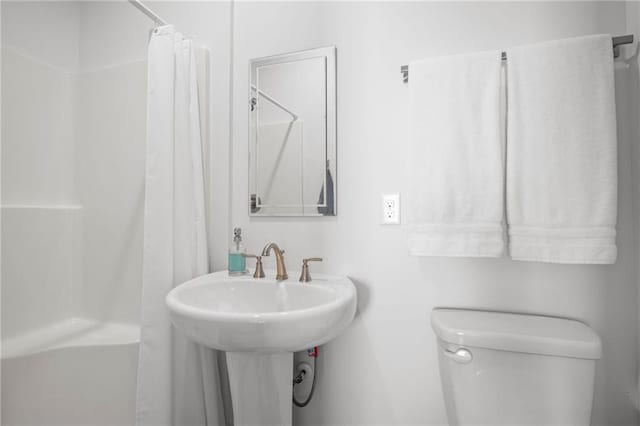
(292, 134)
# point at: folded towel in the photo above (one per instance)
(561, 155)
(328, 208)
(456, 173)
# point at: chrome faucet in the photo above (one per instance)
(281, 270)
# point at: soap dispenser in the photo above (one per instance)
(237, 260)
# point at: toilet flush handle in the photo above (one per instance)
(460, 355)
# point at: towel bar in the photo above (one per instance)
(617, 42)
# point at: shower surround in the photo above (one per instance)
(73, 164)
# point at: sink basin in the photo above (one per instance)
(259, 323)
(241, 314)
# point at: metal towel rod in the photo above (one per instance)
(617, 42)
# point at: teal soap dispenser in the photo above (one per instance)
(237, 260)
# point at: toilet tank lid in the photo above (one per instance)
(517, 333)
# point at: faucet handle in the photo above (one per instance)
(305, 276)
(259, 272)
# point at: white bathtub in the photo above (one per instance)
(74, 372)
(58, 366)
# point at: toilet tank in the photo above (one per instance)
(511, 369)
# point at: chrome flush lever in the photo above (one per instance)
(460, 355)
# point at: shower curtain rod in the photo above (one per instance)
(273, 101)
(617, 42)
(150, 13)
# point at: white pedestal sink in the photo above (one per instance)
(260, 323)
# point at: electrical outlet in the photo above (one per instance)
(391, 209)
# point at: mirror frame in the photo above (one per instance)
(331, 151)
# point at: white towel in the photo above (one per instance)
(561, 151)
(456, 172)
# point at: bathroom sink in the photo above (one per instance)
(243, 314)
(260, 323)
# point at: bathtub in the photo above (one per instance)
(60, 365)
(74, 372)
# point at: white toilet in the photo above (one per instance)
(511, 369)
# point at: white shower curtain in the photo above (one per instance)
(177, 379)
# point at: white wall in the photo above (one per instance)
(46, 31)
(39, 265)
(42, 221)
(111, 151)
(633, 107)
(39, 58)
(110, 170)
(383, 370)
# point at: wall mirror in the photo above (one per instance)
(292, 134)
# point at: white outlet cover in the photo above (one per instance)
(390, 209)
